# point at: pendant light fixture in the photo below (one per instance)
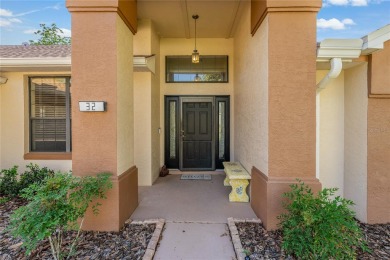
(197, 78)
(195, 53)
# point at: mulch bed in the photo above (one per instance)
(129, 243)
(267, 245)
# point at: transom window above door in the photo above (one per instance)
(210, 69)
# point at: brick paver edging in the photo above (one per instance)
(151, 248)
(236, 238)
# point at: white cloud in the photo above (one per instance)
(338, 2)
(30, 31)
(7, 22)
(8, 13)
(56, 7)
(348, 21)
(346, 2)
(4, 12)
(26, 13)
(359, 2)
(65, 32)
(15, 20)
(7, 18)
(4, 23)
(334, 24)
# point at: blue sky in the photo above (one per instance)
(337, 19)
(351, 18)
(20, 18)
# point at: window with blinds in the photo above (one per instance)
(50, 117)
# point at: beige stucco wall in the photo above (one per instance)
(146, 106)
(142, 126)
(342, 143)
(331, 133)
(125, 117)
(379, 71)
(251, 94)
(155, 104)
(143, 39)
(14, 127)
(205, 46)
(355, 153)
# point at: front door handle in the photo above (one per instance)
(182, 134)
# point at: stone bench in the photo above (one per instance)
(237, 177)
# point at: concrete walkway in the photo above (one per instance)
(196, 213)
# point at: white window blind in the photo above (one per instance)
(50, 114)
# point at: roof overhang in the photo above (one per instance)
(29, 64)
(335, 53)
(141, 64)
(351, 51)
(375, 40)
(345, 49)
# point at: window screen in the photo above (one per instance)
(50, 114)
(211, 68)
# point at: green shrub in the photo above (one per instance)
(34, 174)
(4, 200)
(9, 185)
(55, 206)
(319, 227)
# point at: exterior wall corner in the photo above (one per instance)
(104, 141)
(260, 9)
(267, 195)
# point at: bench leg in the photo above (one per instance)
(238, 193)
(226, 181)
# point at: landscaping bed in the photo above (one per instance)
(130, 242)
(261, 244)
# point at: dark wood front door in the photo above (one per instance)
(197, 136)
(193, 126)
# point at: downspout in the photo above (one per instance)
(345, 50)
(336, 65)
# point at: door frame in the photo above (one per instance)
(196, 99)
(173, 102)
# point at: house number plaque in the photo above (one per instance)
(92, 106)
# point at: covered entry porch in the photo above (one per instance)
(272, 101)
(201, 201)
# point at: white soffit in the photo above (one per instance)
(346, 49)
(375, 40)
(35, 64)
(23, 62)
(141, 64)
(173, 19)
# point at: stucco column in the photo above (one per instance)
(102, 70)
(378, 136)
(291, 30)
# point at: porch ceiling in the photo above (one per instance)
(173, 19)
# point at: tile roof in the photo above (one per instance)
(34, 51)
